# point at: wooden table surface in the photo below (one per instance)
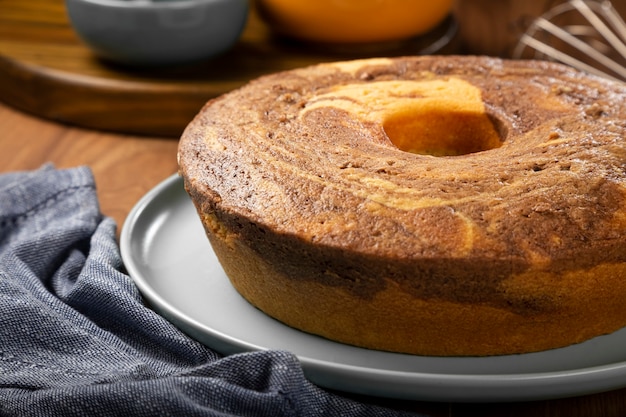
(46, 70)
(126, 166)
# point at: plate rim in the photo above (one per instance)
(529, 386)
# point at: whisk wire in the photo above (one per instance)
(599, 25)
(582, 46)
(561, 56)
(611, 35)
(614, 18)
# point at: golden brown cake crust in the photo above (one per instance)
(473, 247)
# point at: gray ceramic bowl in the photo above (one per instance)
(158, 32)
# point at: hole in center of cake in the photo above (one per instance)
(442, 132)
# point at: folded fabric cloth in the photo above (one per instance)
(76, 338)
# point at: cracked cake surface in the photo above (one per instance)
(426, 205)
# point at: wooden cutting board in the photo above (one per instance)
(46, 70)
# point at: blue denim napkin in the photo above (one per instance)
(77, 340)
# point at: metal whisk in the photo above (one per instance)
(588, 35)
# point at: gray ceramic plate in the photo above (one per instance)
(168, 256)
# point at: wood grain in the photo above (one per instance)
(46, 70)
(127, 166)
(491, 27)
